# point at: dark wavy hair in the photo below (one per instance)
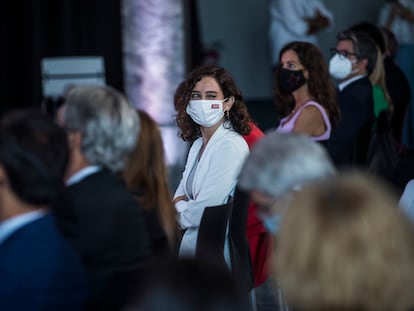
(320, 85)
(238, 115)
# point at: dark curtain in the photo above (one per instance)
(34, 29)
(193, 47)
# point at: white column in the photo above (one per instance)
(154, 64)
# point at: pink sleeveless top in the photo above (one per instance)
(287, 127)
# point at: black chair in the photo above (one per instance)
(212, 233)
(216, 224)
(239, 247)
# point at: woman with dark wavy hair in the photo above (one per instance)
(305, 93)
(212, 115)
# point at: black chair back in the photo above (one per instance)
(212, 233)
(240, 251)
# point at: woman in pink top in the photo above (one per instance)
(305, 93)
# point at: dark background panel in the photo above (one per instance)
(36, 29)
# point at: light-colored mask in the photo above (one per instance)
(340, 67)
(206, 113)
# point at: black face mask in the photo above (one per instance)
(291, 80)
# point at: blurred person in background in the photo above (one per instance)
(295, 20)
(305, 93)
(278, 165)
(146, 177)
(398, 17)
(353, 60)
(191, 285)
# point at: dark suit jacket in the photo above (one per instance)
(349, 141)
(39, 270)
(105, 224)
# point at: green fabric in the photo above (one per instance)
(380, 102)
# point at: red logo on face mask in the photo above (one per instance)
(215, 106)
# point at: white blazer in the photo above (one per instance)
(214, 180)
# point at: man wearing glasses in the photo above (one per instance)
(352, 61)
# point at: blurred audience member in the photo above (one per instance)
(352, 62)
(190, 285)
(96, 213)
(389, 82)
(354, 249)
(398, 17)
(279, 164)
(212, 115)
(258, 238)
(385, 147)
(295, 20)
(39, 269)
(305, 92)
(397, 84)
(382, 99)
(254, 136)
(147, 178)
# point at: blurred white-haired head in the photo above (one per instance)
(283, 162)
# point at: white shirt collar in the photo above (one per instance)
(82, 174)
(11, 225)
(344, 84)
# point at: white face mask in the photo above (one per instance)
(340, 67)
(206, 113)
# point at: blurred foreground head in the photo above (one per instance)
(354, 249)
(188, 284)
(282, 162)
(33, 156)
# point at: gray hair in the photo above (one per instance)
(364, 46)
(108, 123)
(282, 162)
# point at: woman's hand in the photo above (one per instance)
(180, 198)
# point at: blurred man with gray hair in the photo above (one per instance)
(280, 163)
(97, 214)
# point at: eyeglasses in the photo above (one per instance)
(342, 53)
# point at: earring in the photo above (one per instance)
(226, 114)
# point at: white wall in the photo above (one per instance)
(240, 26)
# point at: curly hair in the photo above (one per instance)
(320, 85)
(238, 115)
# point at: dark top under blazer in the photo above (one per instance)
(357, 116)
(39, 270)
(105, 224)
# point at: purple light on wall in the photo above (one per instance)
(153, 47)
